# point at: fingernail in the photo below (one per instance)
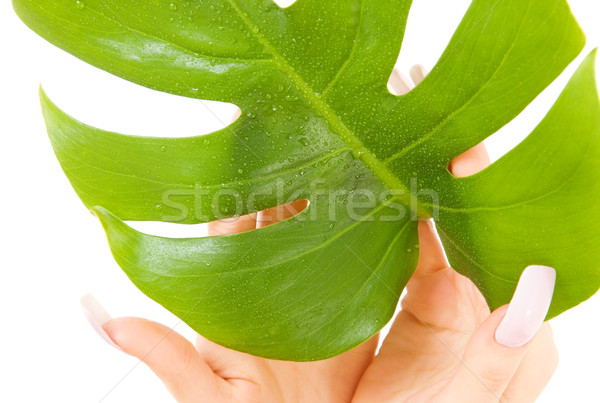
(528, 307)
(236, 115)
(417, 73)
(400, 83)
(97, 316)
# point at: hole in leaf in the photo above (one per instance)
(399, 83)
(281, 213)
(102, 100)
(225, 226)
(284, 3)
(428, 31)
(514, 132)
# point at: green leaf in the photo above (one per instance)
(318, 123)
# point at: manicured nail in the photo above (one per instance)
(417, 73)
(528, 307)
(399, 83)
(97, 316)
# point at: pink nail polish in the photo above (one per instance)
(97, 317)
(528, 307)
(400, 83)
(417, 73)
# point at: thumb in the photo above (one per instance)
(168, 354)
(497, 348)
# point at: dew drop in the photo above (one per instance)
(304, 141)
(80, 4)
(173, 6)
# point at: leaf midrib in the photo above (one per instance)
(345, 134)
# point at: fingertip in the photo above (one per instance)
(232, 225)
(432, 257)
(417, 73)
(168, 354)
(280, 213)
(236, 115)
(528, 307)
(97, 317)
(144, 338)
(470, 162)
(399, 83)
(127, 332)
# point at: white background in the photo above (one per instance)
(53, 250)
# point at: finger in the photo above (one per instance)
(169, 355)
(232, 225)
(470, 162)
(498, 347)
(280, 213)
(236, 115)
(417, 73)
(432, 257)
(535, 370)
(399, 83)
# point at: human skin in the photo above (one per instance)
(441, 347)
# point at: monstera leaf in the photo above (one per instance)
(318, 123)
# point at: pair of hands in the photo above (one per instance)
(442, 346)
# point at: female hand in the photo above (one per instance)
(444, 345)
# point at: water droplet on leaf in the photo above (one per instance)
(304, 141)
